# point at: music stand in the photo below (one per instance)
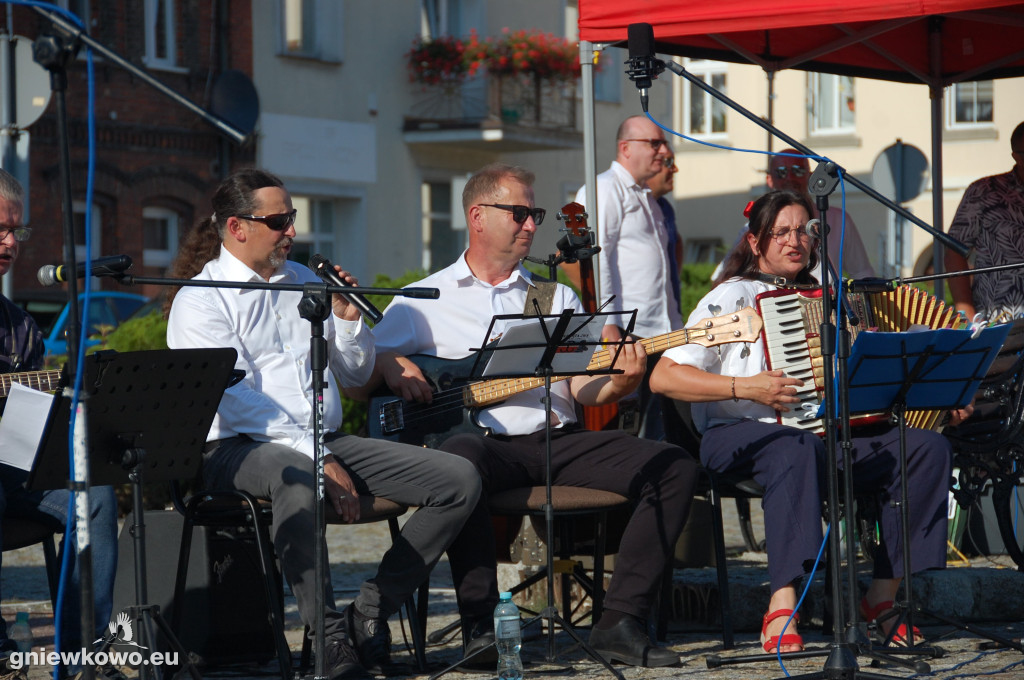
(149, 415)
(930, 370)
(556, 346)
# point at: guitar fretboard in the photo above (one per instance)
(44, 381)
(493, 391)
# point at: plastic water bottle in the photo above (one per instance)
(21, 633)
(508, 638)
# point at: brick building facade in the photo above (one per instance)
(156, 162)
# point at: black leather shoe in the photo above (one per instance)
(371, 639)
(341, 661)
(627, 642)
(481, 636)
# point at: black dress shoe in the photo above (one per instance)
(341, 661)
(480, 646)
(371, 639)
(627, 642)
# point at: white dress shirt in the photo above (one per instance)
(456, 322)
(740, 359)
(634, 262)
(275, 401)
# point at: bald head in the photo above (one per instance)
(638, 148)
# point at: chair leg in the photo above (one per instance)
(718, 531)
(600, 545)
(52, 569)
(180, 578)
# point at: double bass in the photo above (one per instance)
(578, 247)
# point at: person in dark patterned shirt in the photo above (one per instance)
(990, 220)
(21, 350)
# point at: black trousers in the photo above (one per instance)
(658, 477)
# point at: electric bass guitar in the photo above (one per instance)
(457, 399)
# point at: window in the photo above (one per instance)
(443, 241)
(80, 8)
(159, 236)
(608, 75)
(969, 104)
(314, 229)
(300, 27)
(702, 250)
(161, 46)
(97, 230)
(832, 104)
(703, 115)
(312, 29)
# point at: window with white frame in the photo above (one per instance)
(314, 228)
(443, 240)
(707, 250)
(159, 236)
(78, 208)
(832, 103)
(608, 75)
(703, 115)
(969, 104)
(312, 29)
(161, 46)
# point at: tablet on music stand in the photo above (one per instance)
(523, 344)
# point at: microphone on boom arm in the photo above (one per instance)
(323, 268)
(112, 265)
(644, 67)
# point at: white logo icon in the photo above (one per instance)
(121, 631)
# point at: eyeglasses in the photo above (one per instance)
(20, 233)
(655, 143)
(782, 235)
(279, 222)
(782, 171)
(520, 213)
(668, 163)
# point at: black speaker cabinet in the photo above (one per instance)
(226, 618)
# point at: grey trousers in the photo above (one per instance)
(445, 489)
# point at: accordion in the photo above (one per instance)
(792, 319)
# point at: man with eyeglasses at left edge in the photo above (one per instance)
(634, 262)
(21, 350)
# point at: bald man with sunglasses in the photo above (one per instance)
(489, 280)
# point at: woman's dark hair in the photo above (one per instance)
(742, 262)
(234, 196)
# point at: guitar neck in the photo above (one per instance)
(44, 381)
(489, 392)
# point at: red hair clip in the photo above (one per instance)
(746, 211)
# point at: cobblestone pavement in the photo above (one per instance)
(354, 552)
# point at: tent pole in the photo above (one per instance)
(587, 55)
(935, 90)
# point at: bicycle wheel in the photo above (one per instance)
(1008, 501)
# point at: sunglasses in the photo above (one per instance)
(278, 222)
(520, 213)
(668, 163)
(798, 171)
(655, 143)
(20, 233)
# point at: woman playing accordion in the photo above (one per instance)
(736, 401)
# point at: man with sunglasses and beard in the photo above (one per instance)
(488, 280)
(261, 440)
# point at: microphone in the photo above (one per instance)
(870, 285)
(112, 265)
(643, 66)
(322, 267)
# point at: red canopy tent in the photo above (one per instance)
(934, 42)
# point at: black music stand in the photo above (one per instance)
(926, 370)
(149, 415)
(564, 340)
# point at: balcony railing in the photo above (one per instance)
(498, 101)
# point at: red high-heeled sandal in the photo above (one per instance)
(871, 615)
(772, 643)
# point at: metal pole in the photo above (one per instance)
(590, 151)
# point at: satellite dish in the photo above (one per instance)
(900, 172)
(33, 84)
(235, 100)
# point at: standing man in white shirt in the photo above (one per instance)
(634, 261)
(261, 440)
